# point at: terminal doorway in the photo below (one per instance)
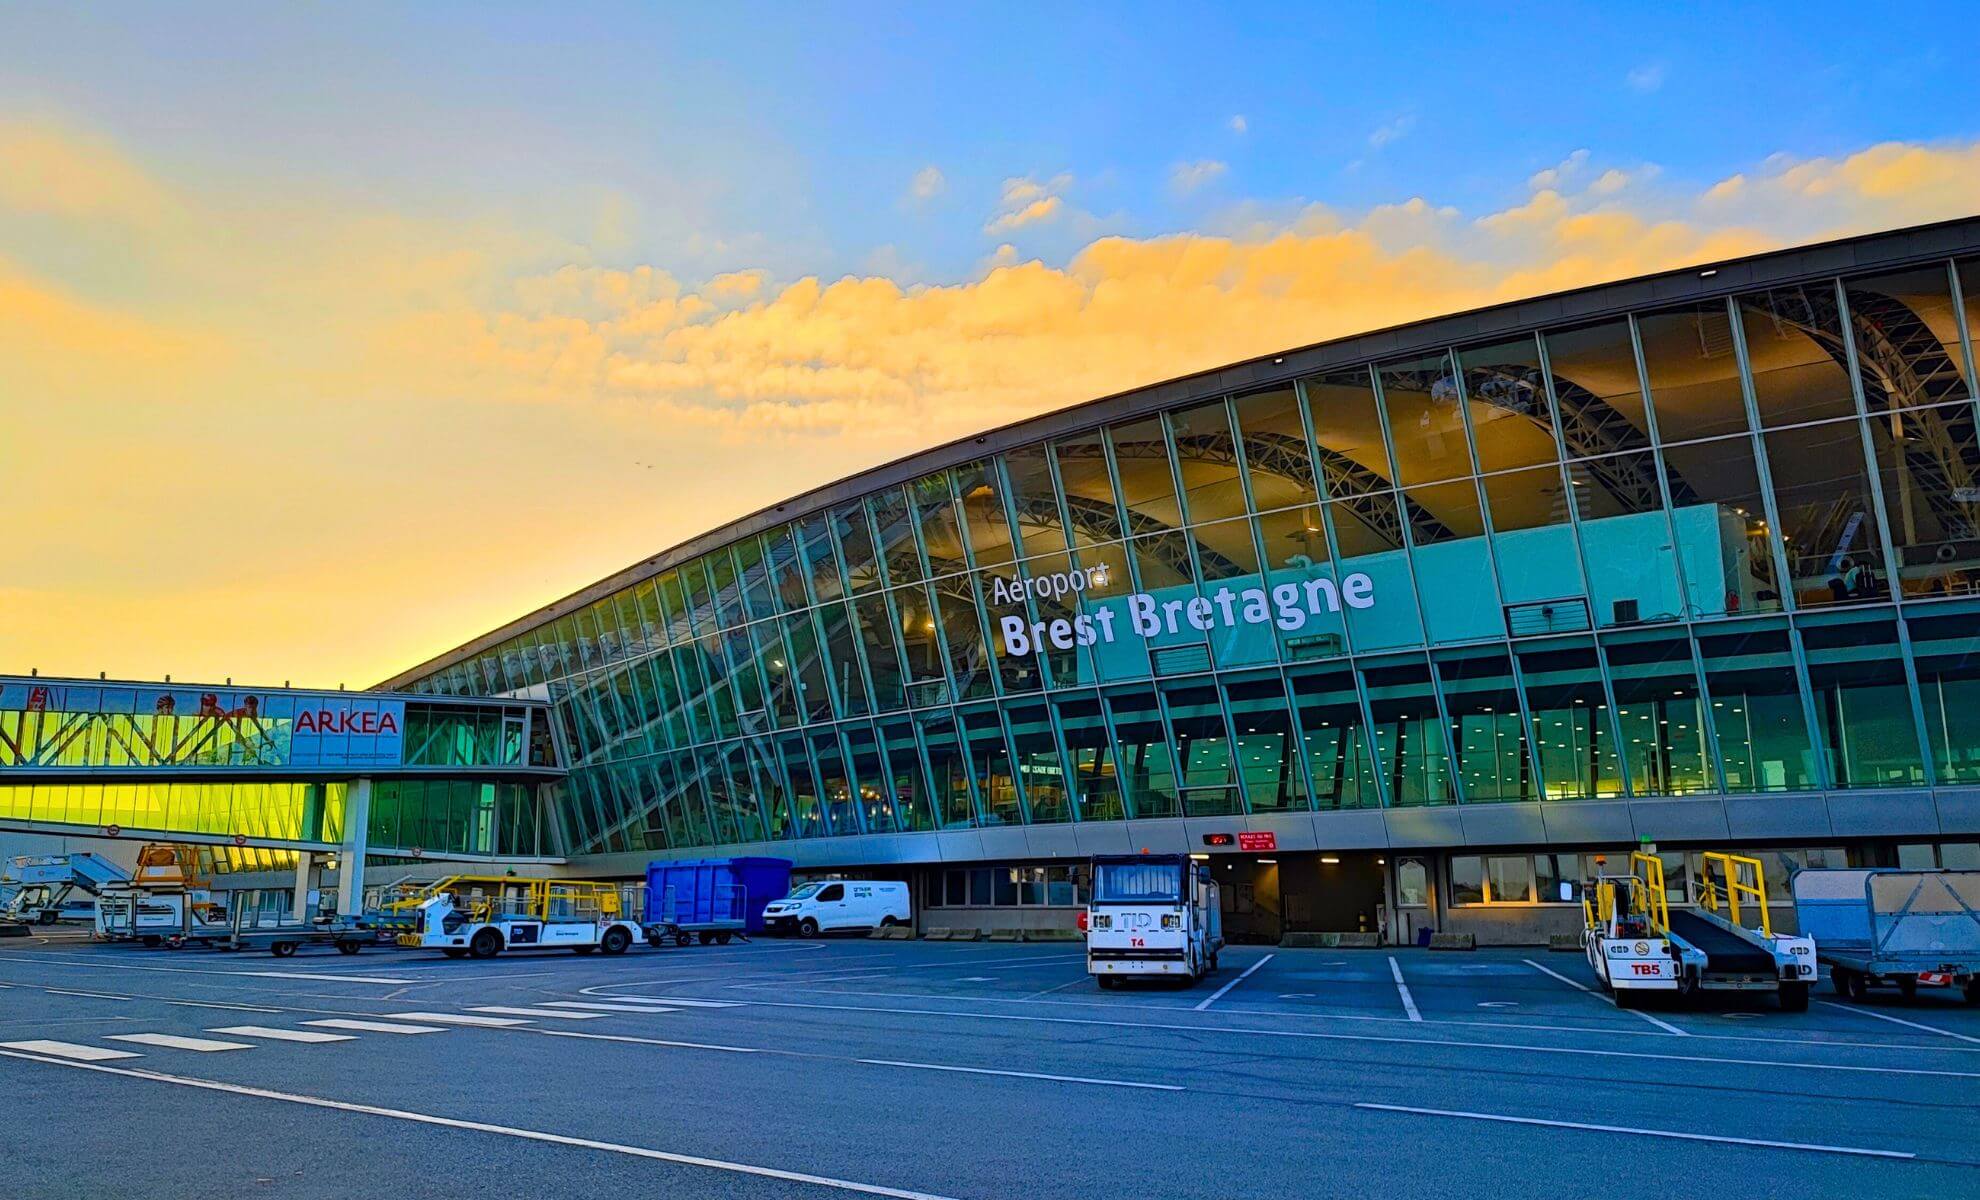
(1344, 892)
(1249, 896)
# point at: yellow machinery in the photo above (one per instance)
(482, 915)
(1735, 886)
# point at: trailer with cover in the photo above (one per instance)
(1896, 928)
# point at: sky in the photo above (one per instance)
(332, 336)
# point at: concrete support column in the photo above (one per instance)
(350, 856)
(299, 902)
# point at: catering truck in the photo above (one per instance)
(1152, 915)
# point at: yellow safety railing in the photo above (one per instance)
(539, 898)
(1732, 887)
(1649, 869)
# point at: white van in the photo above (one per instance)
(833, 904)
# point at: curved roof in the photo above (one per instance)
(1779, 268)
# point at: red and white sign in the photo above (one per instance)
(1258, 841)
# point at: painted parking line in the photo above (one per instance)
(605, 1008)
(374, 1026)
(1402, 990)
(321, 975)
(643, 1041)
(1666, 1026)
(1673, 1134)
(1122, 1083)
(675, 1001)
(1220, 992)
(440, 1018)
(282, 1035)
(90, 995)
(1866, 1012)
(506, 1011)
(172, 1041)
(230, 1007)
(72, 1050)
(511, 1131)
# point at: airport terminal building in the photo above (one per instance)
(1401, 630)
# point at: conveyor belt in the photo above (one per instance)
(1723, 951)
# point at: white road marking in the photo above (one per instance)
(374, 1026)
(1666, 1026)
(1431, 1043)
(533, 1135)
(1402, 990)
(1635, 1132)
(920, 1066)
(977, 979)
(1866, 1012)
(619, 1008)
(172, 1041)
(332, 978)
(460, 1019)
(91, 995)
(640, 1041)
(673, 1001)
(233, 1007)
(67, 1050)
(535, 1012)
(283, 1035)
(1219, 993)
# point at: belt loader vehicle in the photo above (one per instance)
(1152, 915)
(481, 916)
(1893, 928)
(1639, 946)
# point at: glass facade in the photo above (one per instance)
(1728, 546)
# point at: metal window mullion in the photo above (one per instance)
(1185, 526)
(1068, 769)
(1967, 334)
(1121, 509)
(1894, 565)
(1017, 776)
(1326, 511)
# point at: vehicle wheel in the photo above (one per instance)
(655, 940)
(1839, 979)
(808, 927)
(1908, 987)
(684, 939)
(615, 941)
(281, 949)
(1794, 997)
(485, 944)
(888, 922)
(349, 947)
(1859, 986)
(1108, 982)
(582, 949)
(707, 938)
(722, 939)
(454, 952)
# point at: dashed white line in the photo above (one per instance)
(282, 1035)
(332, 978)
(1666, 1026)
(642, 1041)
(172, 1041)
(67, 1050)
(533, 1135)
(374, 1026)
(1865, 1012)
(617, 1008)
(91, 995)
(921, 1066)
(1402, 990)
(674, 1001)
(1634, 1131)
(461, 1019)
(508, 1011)
(1219, 993)
(231, 1007)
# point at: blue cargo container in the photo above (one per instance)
(712, 896)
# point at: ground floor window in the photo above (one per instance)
(1004, 886)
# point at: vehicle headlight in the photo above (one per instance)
(1103, 921)
(1171, 921)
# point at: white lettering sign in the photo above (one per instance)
(1289, 606)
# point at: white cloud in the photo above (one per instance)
(1392, 131)
(927, 183)
(1186, 177)
(1239, 124)
(1028, 201)
(1559, 173)
(1646, 78)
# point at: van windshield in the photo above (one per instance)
(1137, 883)
(804, 892)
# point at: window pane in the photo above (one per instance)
(1368, 539)
(1421, 395)
(948, 769)
(1572, 725)
(1409, 735)
(1267, 746)
(1626, 543)
(1275, 457)
(1533, 545)
(1828, 519)
(1663, 727)
(1694, 373)
(1089, 493)
(820, 559)
(1096, 777)
(1756, 712)
(1041, 772)
(1863, 705)
(912, 800)
(1206, 457)
(1948, 656)
(1347, 433)
(1467, 879)
(1596, 391)
(990, 765)
(1454, 579)
(895, 522)
(935, 514)
(1147, 766)
(1907, 339)
(1509, 878)
(1928, 461)
(1203, 751)
(1724, 545)
(1794, 345)
(1487, 729)
(981, 490)
(856, 545)
(1507, 399)
(1041, 527)
(1339, 772)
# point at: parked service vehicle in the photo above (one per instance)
(829, 906)
(1152, 914)
(481, 916)
(1893, 928)
(713, 899)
